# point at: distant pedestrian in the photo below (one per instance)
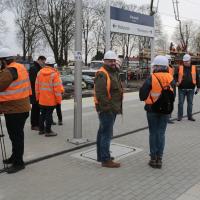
(108, 101)
(187, 79)
(15, 90)
(48, 89)
(35, 110)
(150, 92)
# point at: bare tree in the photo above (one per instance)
(27, 22)
(89, 21)
(57, 24)
(184, 36)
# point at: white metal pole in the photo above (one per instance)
(107, 25)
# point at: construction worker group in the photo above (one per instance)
(42, 87)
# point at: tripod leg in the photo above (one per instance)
(2, 144)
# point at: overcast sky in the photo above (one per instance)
(188, 9)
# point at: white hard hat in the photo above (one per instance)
(161, 61)
(50, 61)
(110, 55)
(186, 57)
(168, 57)
(6, 52)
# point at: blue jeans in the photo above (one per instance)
(157, 127)
(189, 93)
(104, 135)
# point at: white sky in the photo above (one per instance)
(188, 9)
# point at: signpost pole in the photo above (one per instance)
(78, 77)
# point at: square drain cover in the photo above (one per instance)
(118, 151)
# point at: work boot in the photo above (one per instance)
(35, 128)
(110, 164)
(15, 168)
(60, 123)
(191, 119)
(159, 162)
(50, 134)
(152, 162)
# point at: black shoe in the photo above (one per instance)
(15, 168)
(179, 119)
(8, 161)
(50, 134)
(60, 123)
(35, 128)
(170, 122)
(53, 123)
(191, 119)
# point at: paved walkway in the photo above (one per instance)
(65, 177)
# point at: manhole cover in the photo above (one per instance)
(118, 151)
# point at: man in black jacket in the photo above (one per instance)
(35, 111)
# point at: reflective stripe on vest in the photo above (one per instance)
(193, 72)
(108, 85)
(19, 88)
(165, 79)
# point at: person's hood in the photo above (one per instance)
(46, 71)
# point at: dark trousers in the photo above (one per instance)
(59, 112)
(15, 126)
(35, 114)
(46, 118)
(104, 135)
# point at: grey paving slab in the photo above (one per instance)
(65, 177)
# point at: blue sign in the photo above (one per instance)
(131, 17)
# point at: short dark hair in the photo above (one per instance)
(41, 58)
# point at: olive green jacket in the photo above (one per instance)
(115, 103)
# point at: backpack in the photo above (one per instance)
(165, 102)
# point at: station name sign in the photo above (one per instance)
(124, 21)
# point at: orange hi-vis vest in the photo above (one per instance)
(180, 74)
(20, 88)
(48, 87)
(171, 70)
(108, 86)
(165, 79)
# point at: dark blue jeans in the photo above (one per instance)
(157, 127)
(104, 135)
(189, 93)
(46, 118)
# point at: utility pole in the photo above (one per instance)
(152, 39)
(176, 13)
(107, 20)
(78, 77)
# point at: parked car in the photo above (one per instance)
(88, 81)
(89, 72)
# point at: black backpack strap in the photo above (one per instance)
(158, 81)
